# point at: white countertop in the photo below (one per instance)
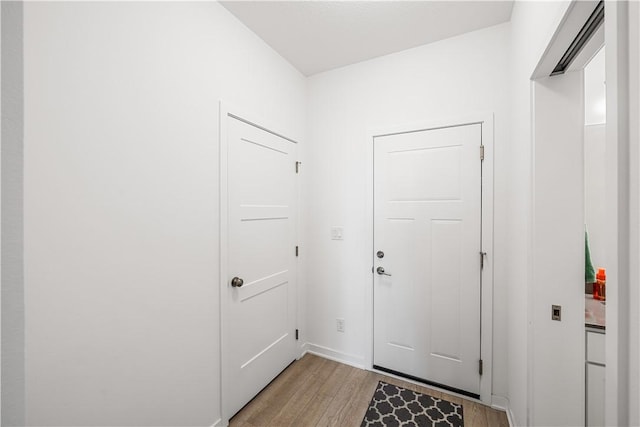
(594, 312)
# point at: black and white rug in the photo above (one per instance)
(397, 406)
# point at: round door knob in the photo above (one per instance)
(237, 282)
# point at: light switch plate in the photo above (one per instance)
(337, 233)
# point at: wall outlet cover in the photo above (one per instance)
(337, 233)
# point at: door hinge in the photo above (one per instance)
(297, 334)
(297, 251)
(298, 167)
(482, 255)
(480, 366)
(482, 152)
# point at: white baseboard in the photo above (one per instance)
(501, 403)
(338, 356)
(217, 423)
(511, 418)
(304, 349)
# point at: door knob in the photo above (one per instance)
(380, 271)
(237, 282)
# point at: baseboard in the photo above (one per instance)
(335, 355)
(217, 423)
(501, 403)
(511, 418)
(304, 349)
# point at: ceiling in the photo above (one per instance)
(317, 36)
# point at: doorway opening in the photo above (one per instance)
(570, 228)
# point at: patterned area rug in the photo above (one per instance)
(396, 406)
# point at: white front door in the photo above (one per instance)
(427, 239)
(260, 290)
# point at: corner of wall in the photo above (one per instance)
(12, 293)
(336, 355)
(501, 403)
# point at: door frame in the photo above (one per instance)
(486, 298)
(622, 346)
(226, 111)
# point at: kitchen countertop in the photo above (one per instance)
(594, 313)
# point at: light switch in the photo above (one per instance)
(336, 233)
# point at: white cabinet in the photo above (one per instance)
(595, 395)
(595, 376)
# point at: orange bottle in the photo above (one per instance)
(599, 288)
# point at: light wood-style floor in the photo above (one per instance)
(314, 391)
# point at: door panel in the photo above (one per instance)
(259, 338)
(427, 199)
(446, 250)
(433, 183)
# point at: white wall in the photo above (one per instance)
(557, 347)
(12, 224)
(595, 90)
(120, 208)
(595, 156)
(634, 135)
(450, 78)
(623, 149)
(0, 215)
(622, 203)
(595, 191)
(532, 26)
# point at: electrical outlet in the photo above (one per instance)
(340, 325)
(556, 312)
(337, 233)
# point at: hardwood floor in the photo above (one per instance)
(314, 391)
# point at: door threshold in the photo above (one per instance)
(427, 382)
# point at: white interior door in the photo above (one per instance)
(427, 222)
(259, 316)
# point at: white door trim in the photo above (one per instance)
(619, 202)
(486, 301)
(621, 165)
(226, 111)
